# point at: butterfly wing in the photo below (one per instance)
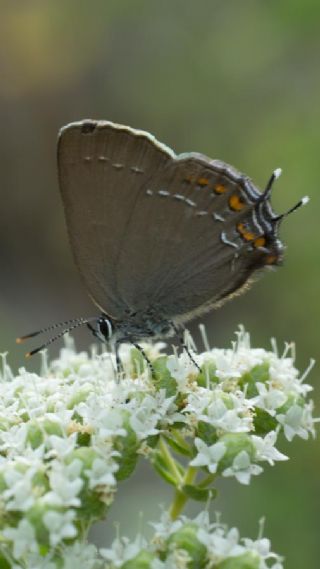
(150, 229)
(102, 169)
(199, 230)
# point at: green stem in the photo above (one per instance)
(207, 480)
(170, 462)
(181, 442)
(180, 498)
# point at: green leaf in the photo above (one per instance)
(78, 397)
(93, 506)
(53, 428)
(248, 560)
(179, 445)
(162, 377)
(86, 454)
(197, 493)
(142, 561)
(207, 374)
(186, 538)
(160, 465)
(35, 516)
(258, 374)
(41, 483)
(127, 447)
(83, 439)
(292, 400)
(35, 435)
(207, 433)
(4, 564)
(263, 422)
(235, 443)
(152, 440)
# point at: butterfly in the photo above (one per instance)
(158, 238)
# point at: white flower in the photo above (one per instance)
(177, 559)
(153, 351)
(60, 526)
(208, 456)
(265, 449)
(23, 538)
(242, 468)
(292, 423)
(101, 473)
(65, 483)
(165, 527)
(109, 422)
(80, 555)
(177, 370)
(226, 412)
(19, 494)
(283, 374)
(181, 369)
(13, 441)
(79, 409)
(225, 362)
(122, 550)
(221, 544)
(198, 401)
(61, 446)
(262, 547)
(269, 398)
(228, 420)
(147, 414)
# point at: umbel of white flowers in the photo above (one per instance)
(71, 434)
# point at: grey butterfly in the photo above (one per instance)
(158, 238)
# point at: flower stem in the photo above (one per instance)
(180, 498)
(207, 480)
(170, 462)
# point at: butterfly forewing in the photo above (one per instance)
(102, 169)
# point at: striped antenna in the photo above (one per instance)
(77, 321)
(267, 192)
(300, 203)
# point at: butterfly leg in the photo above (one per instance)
(179, 333)
(93, 330)
(141, 350)
(145, 357)
(118, 360)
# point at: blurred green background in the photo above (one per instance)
(236, 80)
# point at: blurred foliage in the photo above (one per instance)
(234, 80)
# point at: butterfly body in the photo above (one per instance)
(136, 327)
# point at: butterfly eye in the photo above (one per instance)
(105, 327)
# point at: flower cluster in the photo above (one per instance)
(192, 544)
(181, 544)
(69, 435)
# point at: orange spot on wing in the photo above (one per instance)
(203, 181)
(271, 259)
(220, 189)
(236, 203)
(260, 242)
(247, 235)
